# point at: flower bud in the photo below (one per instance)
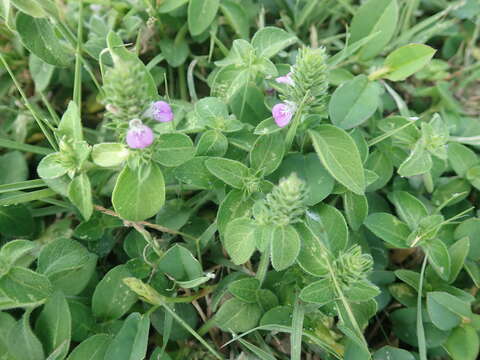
(139, 136)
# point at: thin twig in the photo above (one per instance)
(143, 223)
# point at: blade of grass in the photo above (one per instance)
(422, 344)
(297, 331)
(29, 106)
(27, 197)
(9, 144)
(77, 85)
(287, 329)
(22, 185)
(262, 354)
(193, 332)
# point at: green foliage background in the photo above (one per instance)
(351, 233)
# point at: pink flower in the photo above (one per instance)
(287, 79)
(139, 136)
(160, 111)
(282, 113)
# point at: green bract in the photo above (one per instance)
(239, 179)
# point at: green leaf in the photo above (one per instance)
(452, 191)
(22, 342)
(109, 154)
(173, 149)
(361, 291)
(353, 102)
(269, 41)
(194, 172)
(234, 205)
(240, 240)
(245, 289)
(229, 80)
(41, 72)
(16, 220)
(340, 156)
(458, 255)
(441, 317)
(374, 16)
(407, 60)
(175, 51)
(54, 324)
(130, 343)
(463, 343)
(409, 208)
(356, 209)
(52, 166)
(13, 167)
(237, 316)
(461, 158)
(71, 124)
(231, 172)
(320, 292)
(38, 36)
(388, 228)
(93, 348)
(391, 353)
(179, 263)
(473, 176)
(470, 228)
(201, 13)
(22, 287)
(67, 264)
(418, 162)
(19, 253)
(439, 257)
(112, 298)
(381, 164)
(80, 194)
(212, 143)
(137, 197)
(285, 247)
(7, 323)
(170, 5)
(267, 153)
(36, 8)
(311, 257)
(30, 7)
(309, 168)
(236, 16)
(329, 225)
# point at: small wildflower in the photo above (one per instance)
(160, 111)
(282, 113)
(287, 79)
(139, 136)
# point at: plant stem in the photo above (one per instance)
(144, 223)
(263, 265)
(292, 130)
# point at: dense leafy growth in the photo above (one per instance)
(239, 179)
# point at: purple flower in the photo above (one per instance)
(282, 113)
(139, 136)
(160, 111)
(287, 79)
